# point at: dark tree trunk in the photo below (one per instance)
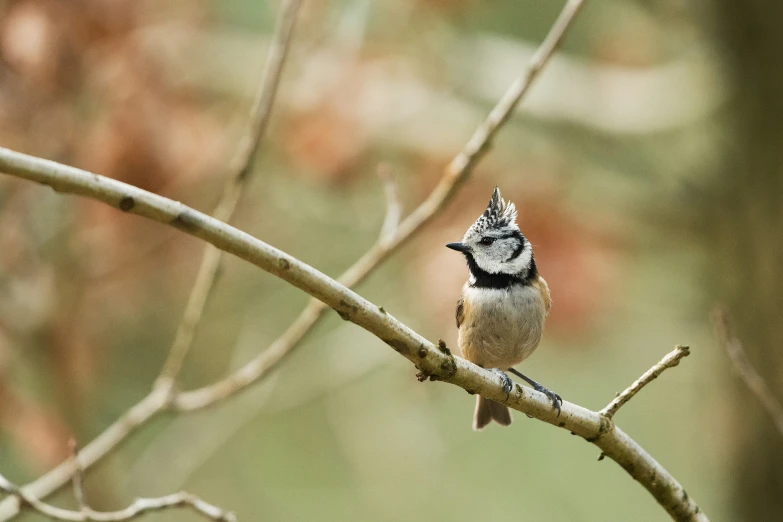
(744, 226)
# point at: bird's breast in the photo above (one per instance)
(502, 326)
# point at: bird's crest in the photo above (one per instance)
(499, 213)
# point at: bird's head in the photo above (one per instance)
(493, 244)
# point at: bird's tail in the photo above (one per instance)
(488, 411)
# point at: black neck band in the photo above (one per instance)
(483, 279)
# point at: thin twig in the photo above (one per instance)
(670, 360)
(393, 205)
(139, 507)
(482, 138)
(744, 368)
(592, 426)
(263, 363)
(102, 445)
(238, 175)
(78, 479)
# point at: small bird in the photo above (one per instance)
(503, 306)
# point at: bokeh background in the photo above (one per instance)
(646, 165)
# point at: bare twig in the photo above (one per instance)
(744, 368)
(263, 363)
(103, 444)
(267, 360)
(393, 206)
(593, 426)
(670, 360)
(482, 138)
(239, 170)
(139, 507)
(78, 479)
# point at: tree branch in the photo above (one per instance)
(239, 173)
(77, 479)
(592, 426)
(103, 444)
(670, 360)
(393, 206)
(139, 507)
(744, 368)
(482, 138)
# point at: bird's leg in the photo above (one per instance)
(507, 384)
(555, 398)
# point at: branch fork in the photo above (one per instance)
(138, 508)
(670, 360)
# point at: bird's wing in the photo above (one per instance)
(460, 311)
(540, 283)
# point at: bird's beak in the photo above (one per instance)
(459, 247)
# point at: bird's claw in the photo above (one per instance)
(508, 385)
(555, 398)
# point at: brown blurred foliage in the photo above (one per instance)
(79, 85)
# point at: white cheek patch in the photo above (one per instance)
(496, 259)
(521, 262)
(488, 264)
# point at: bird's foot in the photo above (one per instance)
(555, 398)
(508, 385)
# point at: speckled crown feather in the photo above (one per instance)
(499, 214)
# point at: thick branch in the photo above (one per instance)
(744, 368)
(670, 360)
(590, 425)
(238, 175)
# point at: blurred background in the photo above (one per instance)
(647, 167)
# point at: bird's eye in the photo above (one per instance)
(486, 241)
